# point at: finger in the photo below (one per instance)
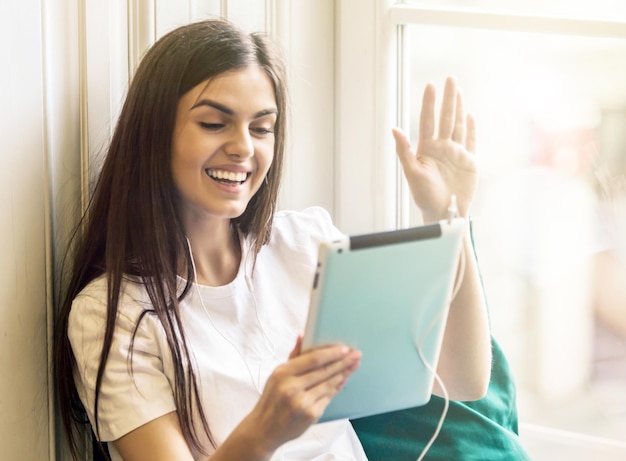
(314, 401)
(336, 372)
(470, 138)
(458, 135)
(343, 367)
(448, 106)
(326, 388)
(324, 391)
(297, 349)
(427, 115)
(319, 357)
(403, 147)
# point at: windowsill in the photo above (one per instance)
(544, 443)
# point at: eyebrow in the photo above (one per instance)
(227, 110)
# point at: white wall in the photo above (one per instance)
(23, 320)
(308, 39)
(64, 133)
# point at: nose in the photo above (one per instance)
(240, 143)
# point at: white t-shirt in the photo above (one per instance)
(238, 334)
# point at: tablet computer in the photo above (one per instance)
(386, 294)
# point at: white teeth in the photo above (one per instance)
(227, 175)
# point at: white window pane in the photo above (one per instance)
(551, 116)
(607, 9)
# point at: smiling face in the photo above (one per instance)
(223, 143)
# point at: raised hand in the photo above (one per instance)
(444, 162)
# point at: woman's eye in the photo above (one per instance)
(212, 126)
(262, 130)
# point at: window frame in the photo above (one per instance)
(377, 29)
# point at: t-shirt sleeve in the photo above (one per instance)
(325, 225)
(306, 228)
(133, 392)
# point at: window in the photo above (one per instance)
(601, 9)
(550, 213)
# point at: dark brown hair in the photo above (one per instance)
(133, 224)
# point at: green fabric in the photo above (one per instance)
(484, 430)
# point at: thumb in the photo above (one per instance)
(403, 147)
(297, 349)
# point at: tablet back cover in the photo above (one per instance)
(385, 300)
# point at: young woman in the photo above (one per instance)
(179, 333)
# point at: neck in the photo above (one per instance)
(216, 252)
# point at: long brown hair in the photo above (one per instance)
(133, 224)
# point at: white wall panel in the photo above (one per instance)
(249, 14)
(365, 113)
(200, 9)
(104, 72)
(309, 176)
(141, 30)
(169, 15)
(63, 154)
(23, 322)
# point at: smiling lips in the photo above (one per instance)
(227, 177)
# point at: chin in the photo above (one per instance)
(236, 213)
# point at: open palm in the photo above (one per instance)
(444, 162)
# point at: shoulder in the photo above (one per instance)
(296, 236)
(135, 388)
(132, 293)
(311, 225)
(89, 307)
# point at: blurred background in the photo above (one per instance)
(550, 215)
